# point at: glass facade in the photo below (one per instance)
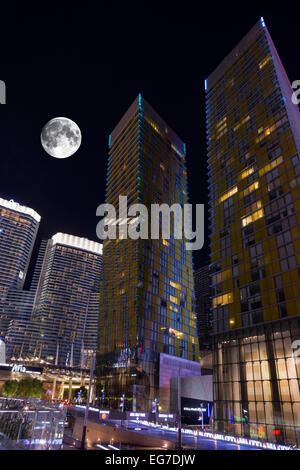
(18, 230)
(203, 304)
(62, 329)
(254, 170)
(147, 292)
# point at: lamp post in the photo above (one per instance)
(82, 447)
(154, 408)
(245, 417)
(179, 409)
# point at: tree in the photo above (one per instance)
(10, 388)
(31, 388)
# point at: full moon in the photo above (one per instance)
(61, 137)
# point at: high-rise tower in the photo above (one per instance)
(254, 170)
(147, 326)
(63, 325)
(18, 230)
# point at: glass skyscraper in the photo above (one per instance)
(254, 170)
(147, 325)
(63, 323)
(18, 229)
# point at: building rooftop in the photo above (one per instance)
(77, 242)
(231, 58)
(15, 206)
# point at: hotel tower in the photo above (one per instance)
(18, 229)
(253, 132)
(147, 323)
(61, 325)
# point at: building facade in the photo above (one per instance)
(18, 229)
(203, 307)
(254, 170)
(63, 324)
(147, 290)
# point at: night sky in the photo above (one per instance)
(89, 64)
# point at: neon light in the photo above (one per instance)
(262, 22)
(205, 84)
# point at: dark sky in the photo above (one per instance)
(89, 64)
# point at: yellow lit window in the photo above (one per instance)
(230, 193)
(251, 188)
(270, 166)
(243, 121)
(253, 207)
(222, 276)
(264, 62)
(253, 217)
(247, 172)
(175, 284)
(221, 123)
(165, 242)
(177, 333)
(174, 300)
(223, 299)
(221, 129)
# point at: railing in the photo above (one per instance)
(32, 423)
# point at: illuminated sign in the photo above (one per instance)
(140, 415)
(194, 409)
(20, 368)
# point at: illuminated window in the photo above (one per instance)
(253, 217)
(264, 62)
(243, 121)
(221, 123)
(230, 193)
(174, 300)
(270, 166)
(175, 284)
(247, 172)
(223, 299)
(251, 188)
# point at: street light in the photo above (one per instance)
(82, 447)
(201, 417)
(245, 413)
(179, 408)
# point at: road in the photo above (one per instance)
(189, 441)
